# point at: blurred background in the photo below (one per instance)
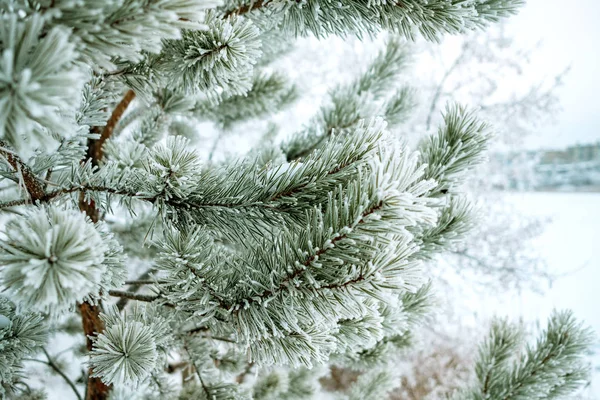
(535, 79)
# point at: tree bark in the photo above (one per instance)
(34, 187)
(95, 146)
(90, 314)
(92, 324)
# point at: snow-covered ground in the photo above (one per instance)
(571, 245)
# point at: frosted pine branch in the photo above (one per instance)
(307, 253)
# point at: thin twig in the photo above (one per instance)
(218, 338)
(134, 296)
(328, 132)
(133, 288)
(14, 203)
(204, 388)
(142, 282)
(56, 368)
(197, 329)
(213, 148)
(480, 263)
(174, 367)
(34, 186)
(240, 378)
(49, 196)
(440, 87)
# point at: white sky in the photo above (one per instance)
(570, 32)
(570, 36)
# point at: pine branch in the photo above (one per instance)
(148, 298)
(34, 186)
(219, 338)
(353, 101)
(55, 194)
(14, 203)
(134, 286)
(322, 139)
(241, 377)
(303, 267)
(213, 148)
(193, 365)
(141, 282)
(55, 367)
(440, 87)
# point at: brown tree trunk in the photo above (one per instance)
(90, 314)
(92, 324)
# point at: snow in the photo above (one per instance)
(569, 245)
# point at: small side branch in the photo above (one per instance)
(241, 377)
(95, 150)
(14, 203)
(143, 282)
(55, 367)
(213, 148)
(54, 194)
(328, 133)
(34, 186)
(148, 298)
(440, 87)
(134, 286)
(198, 331)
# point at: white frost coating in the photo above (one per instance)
(52, 259)
(39, 83)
